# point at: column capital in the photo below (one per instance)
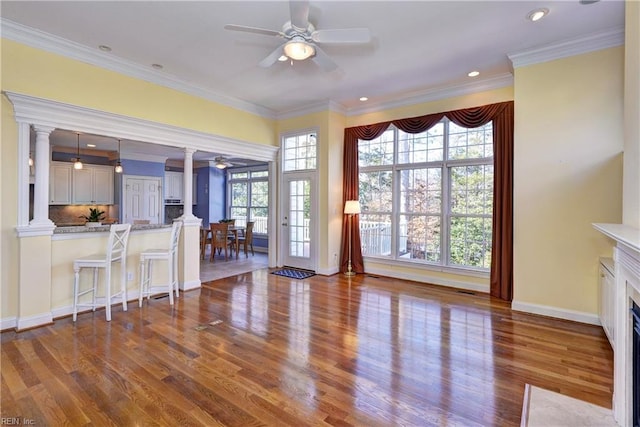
(42, 128)
(188, 151)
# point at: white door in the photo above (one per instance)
(298, 224)
(142, 199)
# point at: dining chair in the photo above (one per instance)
(246, 239)
(116, 251)
(205, 239)
(220, 239)
(170, 255)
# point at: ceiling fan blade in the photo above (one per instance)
(346, 35)
(323, 60)
(254, 30)
(272, 58)
(299, 11)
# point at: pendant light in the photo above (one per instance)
(118, 168)
(78, 164)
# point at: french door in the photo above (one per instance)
(299, 221)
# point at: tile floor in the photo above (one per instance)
(544, 408)
(220, 268)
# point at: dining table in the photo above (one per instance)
(233, 230)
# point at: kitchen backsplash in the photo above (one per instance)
(69, 214)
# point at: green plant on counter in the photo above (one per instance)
(95, 215)
(222, 221)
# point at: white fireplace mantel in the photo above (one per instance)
(626, 256)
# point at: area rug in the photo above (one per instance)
(544, 408)
(294, 273)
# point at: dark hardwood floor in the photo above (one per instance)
(260, 349)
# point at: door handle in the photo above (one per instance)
(284, 224)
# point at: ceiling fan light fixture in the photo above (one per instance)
(298, 49)
(221, 165)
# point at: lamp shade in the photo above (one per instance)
(352, 207)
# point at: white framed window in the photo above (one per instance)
(248, 190)
(299, 152)
(427, 198)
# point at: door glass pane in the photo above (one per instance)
(299, 218)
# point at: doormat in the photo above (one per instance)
(293, 273)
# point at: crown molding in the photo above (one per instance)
(435, 94)
(57, 45)
(569, 47)
(316, 107)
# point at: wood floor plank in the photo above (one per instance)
(258, 349)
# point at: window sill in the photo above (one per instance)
(430, 267)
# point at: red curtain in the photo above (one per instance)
(502, 237)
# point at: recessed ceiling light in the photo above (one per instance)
(104, 48)
(474, 74)
(537, 14)
(283, 58)
(91, 145)
(364, 98)
(157, 66)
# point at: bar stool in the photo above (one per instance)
(116, 252)
(146, 267)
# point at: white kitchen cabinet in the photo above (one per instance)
(60, 183)
(93, 185)
(606, 305)
(173, 186)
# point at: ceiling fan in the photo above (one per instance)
(302, 38)
(222, 162)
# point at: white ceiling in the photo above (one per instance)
(417, 47)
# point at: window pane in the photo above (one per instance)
(375, 234)
(421, 147)
(259, 174)
(421, 190)
(376, 191)
(472, 190)
(473, 143)
(470, 242)
(419, 237)
(239, 194)
(378, 151)
(299, 152)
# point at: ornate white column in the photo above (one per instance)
(187, 212)
(41, 187)
(189, 255)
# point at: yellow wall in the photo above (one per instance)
(568, 175)
(46, 75)
(8, 213)
(631, 204)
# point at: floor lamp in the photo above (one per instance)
(351, 208)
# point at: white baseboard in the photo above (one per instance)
(29, 322)
(560, 313)
(192, 284)
(8, 323)
(426, 278)
(327, 271)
